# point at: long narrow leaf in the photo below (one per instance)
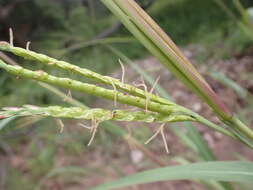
(218, 171)
(158, 43)
(145, 29)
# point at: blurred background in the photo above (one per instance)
(217, 35)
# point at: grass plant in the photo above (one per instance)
(153, 108)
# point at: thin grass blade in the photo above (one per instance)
(219, 171)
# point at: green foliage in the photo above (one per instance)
(56, 32)
(219, 171)
(78, 27)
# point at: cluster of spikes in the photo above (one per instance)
(156, 109)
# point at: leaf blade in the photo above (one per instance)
(233, 171)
